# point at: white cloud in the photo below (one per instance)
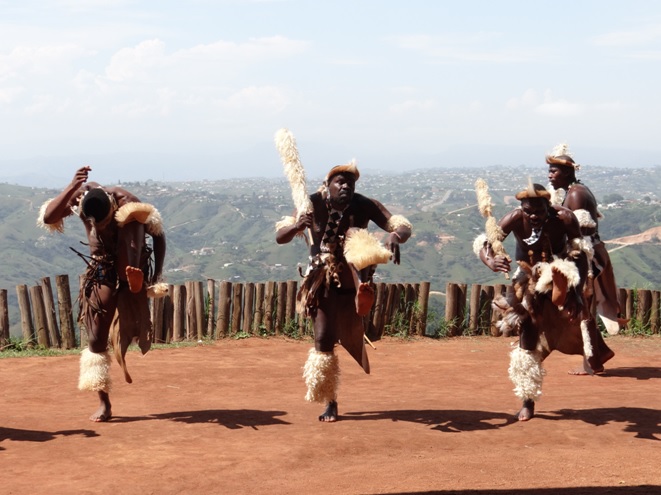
(410, 106)
(640, 36)
(468, 48)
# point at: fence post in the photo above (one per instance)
(259, 308)
(236, 308)
(269, 297)
(281, 307)
(65, 311)
(379, 308)
(654, 312)
(474, 309)
(423, 305)
(224, 304)
(644, 307)
(211, 307)
(498, 290)
(4, 318)
(248, 303)
(41, 322)
(290, 306)
(26, 314)
(49, 306)
(178, 313)
(198, 301)
(484, 319)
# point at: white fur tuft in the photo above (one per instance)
(587, 343)
(50, 227)
(362, 249)
(396, 221)
(479, 243)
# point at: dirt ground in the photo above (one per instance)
(433, 417)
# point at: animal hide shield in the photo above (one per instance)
(351, 330)
(132, 321)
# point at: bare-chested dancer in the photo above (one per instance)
(337, 291)
(603, 289)
(547, 308)
(117, 276)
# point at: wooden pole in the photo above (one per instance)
(269, 301)
(27, 327)
(484, 319)
(157, 306)
(644, 307)
(51, 317)
(654, 312)
(199, 302)
(40, 320)
(474, 309)
(178, 313)
(379, 307)
(168, 314)
(281, 307)
(65, 311)
(248, 303)
(211, 306)
(258, 321)
(411, 306)
(290, 306)
(236, 308)
(4, 318)
(423, 306)
(224, 304)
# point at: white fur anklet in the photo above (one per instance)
(526, 373)
(94, 371)
(322, 376)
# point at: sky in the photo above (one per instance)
(189, 90)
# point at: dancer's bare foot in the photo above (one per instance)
(527, 411)
(330, 414)
(135, 278)
(560, 286)
(364, 299)
(104, 412)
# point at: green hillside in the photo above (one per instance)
(224, 230)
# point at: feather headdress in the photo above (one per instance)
(294, 171)
(562, 156)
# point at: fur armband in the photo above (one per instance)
(479, 242)
(143, 213)
(288, 222)
(362, 249)
(585, 219)
(396, 221)
(158, 290)
(50, 227)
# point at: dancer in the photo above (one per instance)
(602, 287)
(337, 291)
(546, 307)
(119, 276)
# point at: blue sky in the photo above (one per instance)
(175, 90)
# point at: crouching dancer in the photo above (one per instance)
(546, 307)
(120, 275)
(337, 291)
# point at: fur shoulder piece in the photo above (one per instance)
(143, 213)
(50, 227)
(584, 218)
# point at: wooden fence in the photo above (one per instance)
(196, 311)
(469, 311)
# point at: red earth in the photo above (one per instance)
(435, 416)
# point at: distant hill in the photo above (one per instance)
(224, 230)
